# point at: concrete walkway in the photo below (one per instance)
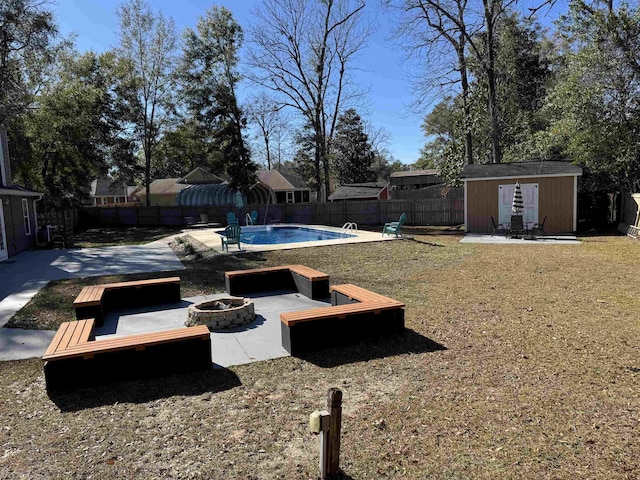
(23, 275)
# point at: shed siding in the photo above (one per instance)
(555, 201)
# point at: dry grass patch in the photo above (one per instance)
(539, 379)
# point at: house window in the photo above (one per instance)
(25, 215)
(290, 197)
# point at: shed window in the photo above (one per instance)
(25, 215)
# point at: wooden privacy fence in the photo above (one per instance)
(432, 211)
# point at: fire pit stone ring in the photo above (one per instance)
(228, 312)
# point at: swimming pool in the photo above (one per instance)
(273, 235)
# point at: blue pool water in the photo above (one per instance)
(272, 235)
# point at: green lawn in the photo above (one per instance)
(520, 361)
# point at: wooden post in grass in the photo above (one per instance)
(327, 423)
(334, 406)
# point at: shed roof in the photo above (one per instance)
(279, 181)
(519, 170)
(414, 173)
(358, 190)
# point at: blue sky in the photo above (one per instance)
(381, 70)
(380, 67)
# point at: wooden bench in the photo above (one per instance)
(349, 293)
(355, 313)
(70, 334)
(308, 281)
(95, 300)
(73, 359)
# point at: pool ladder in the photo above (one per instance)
(348, 227)
(248, 220)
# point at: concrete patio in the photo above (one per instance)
(501, 239)
(259, 340)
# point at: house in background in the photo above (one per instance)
(549, 189)
(201, 188)
(361, 191)
(287, 187)
(18, 218)
(106, 193)
(163, 191)
(404, 184)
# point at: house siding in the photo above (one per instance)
(555, 201)
(6, 167)
(17, 241)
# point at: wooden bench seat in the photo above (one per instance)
(308, 281)
(73, 359)
(95, 300)
(356, 313)
(338, 312)
(69, 335)
(354, 293)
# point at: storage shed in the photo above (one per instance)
(549, 189)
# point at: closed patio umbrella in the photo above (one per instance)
(518, 205)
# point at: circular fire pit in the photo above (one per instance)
(223, 313)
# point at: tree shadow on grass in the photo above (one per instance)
(381, 347)
(146, 390)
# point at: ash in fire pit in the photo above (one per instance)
(222, 313)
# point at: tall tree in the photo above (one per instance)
(211, 79)
(352, 153)
(438, 31)
(303, 51)
(147, 42)
(595, 105)
(73, 135)
(27, 35)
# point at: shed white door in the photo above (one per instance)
(3, 236)
(529, 197)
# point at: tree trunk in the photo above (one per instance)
(496, 153)
(468, 139)
(266, 143)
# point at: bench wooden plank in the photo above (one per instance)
(255, 271)
(360, 294)
(339, 311)
(141, 283)
(77, 336)
(89, 296)
(70, 334)
(311, 273)
(87, 330)
(57, 338)
(131, 341)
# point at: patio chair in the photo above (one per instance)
(498, 227)
(538, 228)
(517, 226)
(395, 227)
(231, 236)
(232, 219)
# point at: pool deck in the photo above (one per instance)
(210, 238)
